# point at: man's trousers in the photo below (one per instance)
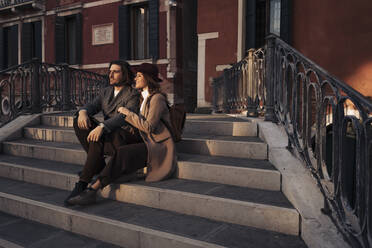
(96, 151)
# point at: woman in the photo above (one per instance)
(158, 150)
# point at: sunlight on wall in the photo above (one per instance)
(361, 80)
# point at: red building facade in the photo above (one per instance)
(334, 34)
(217, 43)
(191, 41)
(88, 34)
(337, 36)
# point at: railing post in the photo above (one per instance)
(251, 86)
(35, 93)
(215, 97)
(226, 91)
(66, 94)
(270, 79)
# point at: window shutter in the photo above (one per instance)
(13, 45)
(250, 26)
(124, 33)
(79, 34)
(154, 29)
(60, 42)
(2, 48)
(285, 20)
(37, 40)
(26, 42)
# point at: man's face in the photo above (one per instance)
(115, 74)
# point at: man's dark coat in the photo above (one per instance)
(109, 104)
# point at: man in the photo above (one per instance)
(99, 139)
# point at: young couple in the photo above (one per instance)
(133, 135)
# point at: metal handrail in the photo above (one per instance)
(33, 87)
(8, 3)
(329, 124)
(241, 87)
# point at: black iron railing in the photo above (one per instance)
(34, 87)
(9, 3)
(330, 125)
(241, 87)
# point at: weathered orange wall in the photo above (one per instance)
(337, 35)
(218, 16)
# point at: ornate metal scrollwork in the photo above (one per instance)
(241, 87)
(5, 106)
(34, 87)
(329, 124)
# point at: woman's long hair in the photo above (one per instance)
(154, 86)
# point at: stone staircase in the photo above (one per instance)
(226, 193)
(13, 230)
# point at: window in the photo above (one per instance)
(68, 39)
(255, 28)
(281, 19)
(8, 46)
(260, 23)
(71, 35)
(139, 30)
(31, 41)
(275, 17)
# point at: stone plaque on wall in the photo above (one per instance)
(64, 2)
(103, 34)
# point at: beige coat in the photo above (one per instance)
(161, 160)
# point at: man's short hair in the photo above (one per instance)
(125, 68)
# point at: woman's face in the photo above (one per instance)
(140, 81)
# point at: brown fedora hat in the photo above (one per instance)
(150, 70)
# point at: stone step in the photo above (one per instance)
(54, 151)
(17, 232)
(220, 126)
(263, 209)
(259, 174)
(51, 133)
(58, 120)
(223, 125)
(218, 145)
(131, 225)
(227, 170)
(63, 119)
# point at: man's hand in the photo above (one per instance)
(95, 134)
(83, 120)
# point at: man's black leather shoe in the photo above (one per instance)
(78, 189)
(87, 197)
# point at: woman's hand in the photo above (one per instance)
(123, 110)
